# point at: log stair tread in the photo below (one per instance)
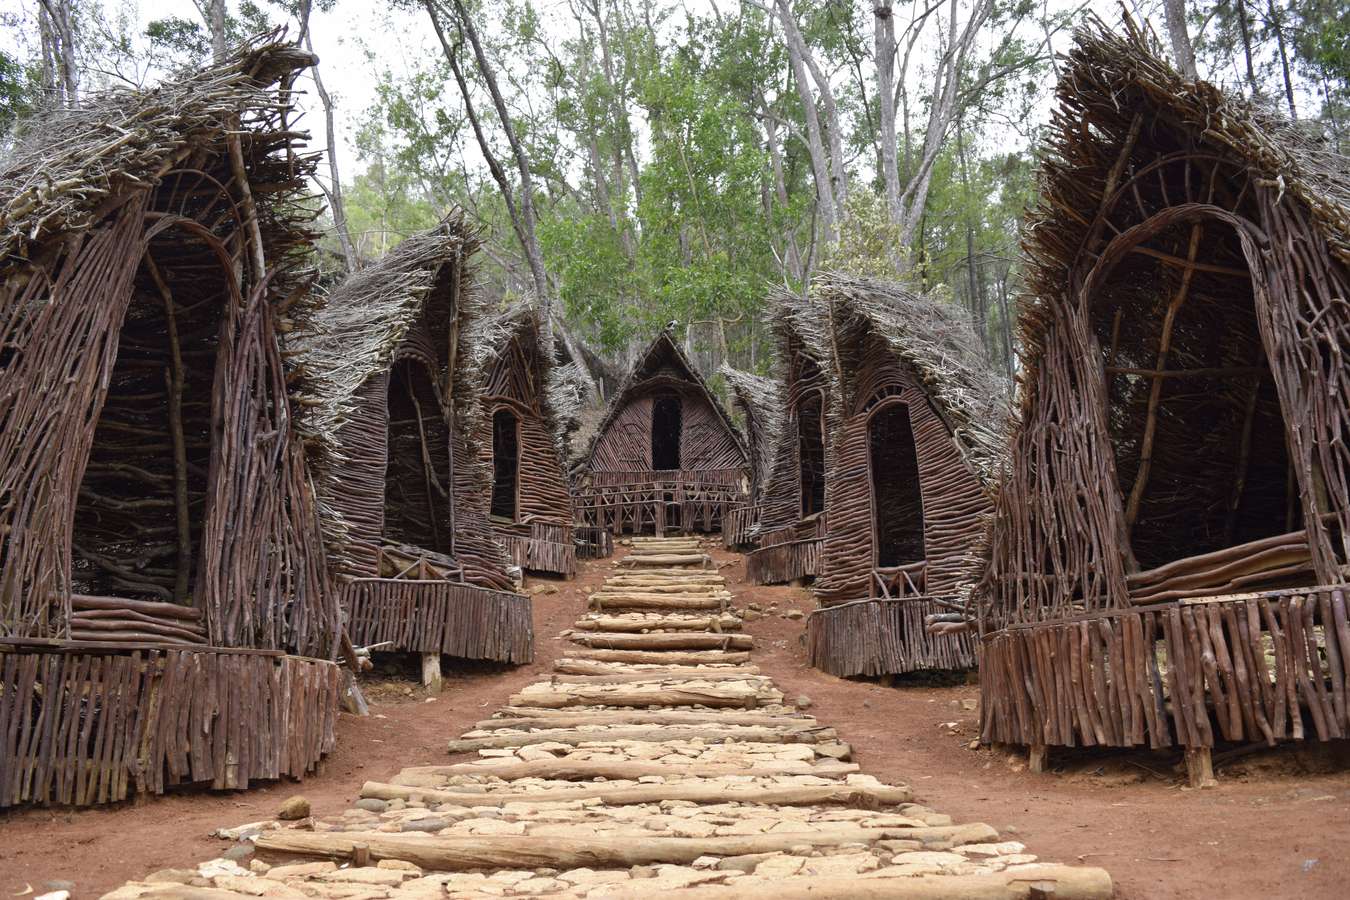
(656, 759)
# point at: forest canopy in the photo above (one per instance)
(635, 162)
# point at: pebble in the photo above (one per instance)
(371, 804)
(238, 852)
(430, 824)
(59, 885)
(804, 702)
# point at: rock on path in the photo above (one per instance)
(657, 760)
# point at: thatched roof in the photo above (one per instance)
(356, 332)
(71, 163)
(663, 346)
(565, 386)
(935, 340)
(761, 401)
(1108, 78)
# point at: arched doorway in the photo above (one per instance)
(811, 454)
(505, 463)
(667, 423)
(417, 474)
(897, 500)
(1201, 457)
(141, 508)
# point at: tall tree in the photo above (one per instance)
(1183, 53)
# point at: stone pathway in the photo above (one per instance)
(657, 759)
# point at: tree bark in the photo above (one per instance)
(334, 188)
(884, 39)
(1182, 50)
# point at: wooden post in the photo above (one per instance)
(431, 672)
(360, 854)
(1200, 768)
(1037, 758)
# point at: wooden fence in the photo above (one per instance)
(458, 620)
(83, 725)
(1241, 667)
(787, 554)
(883, 636)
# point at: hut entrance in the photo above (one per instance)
(1201, 458)
(505, 463)
(141, 506)
(666, 425)
(417, 476)
(897, 501)
(811, 454)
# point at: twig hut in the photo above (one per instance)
(666, 455)
(758, 400)
(529, 407)
(791, 532)
(1169, 554)
(392, 398)
(915, 424)
(159, 544)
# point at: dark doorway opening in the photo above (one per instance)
(1201, 456)
(811, 454)
(666, 425)
(897, 500)
(417, 478)
(141, 507)
(505, 463)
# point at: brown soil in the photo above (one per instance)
(1277, 824)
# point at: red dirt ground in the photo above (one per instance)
(1278, 824)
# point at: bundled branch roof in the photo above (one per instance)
(641, 371)
(355, 334)
(1109, 77)
(760, 398)
(934, 339)
(71, 163)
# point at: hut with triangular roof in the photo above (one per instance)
(791, 525)
(915, 425)
(530, 405)
(666, 456)
(165, 613)
(757, 398)
(393, 410)
(1171, 543)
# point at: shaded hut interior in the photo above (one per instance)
(666, 455)
(1186, 336)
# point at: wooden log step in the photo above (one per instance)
(601, 601)
(715, 624)
(1014, 883)
(664, 586)
(620, 769)
(524, 851)
(657, 642)
(689, 658)
(863, 795)
(533, 717)
(503, 740)
(659, 694)
(667, 572)
(693, 673)
(570, 666)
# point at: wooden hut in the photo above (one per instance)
(1169, 553)
(529, 408)
(791, 527)
(915, 425)
(393, 411)
(757, 399)
(160, 557)
(666, 455)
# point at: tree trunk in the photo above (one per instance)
(815, 143)
(334, 189)
(1277, 25)
(884, 28)
(216, 23)
(1244, 31)
(1182, 51)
